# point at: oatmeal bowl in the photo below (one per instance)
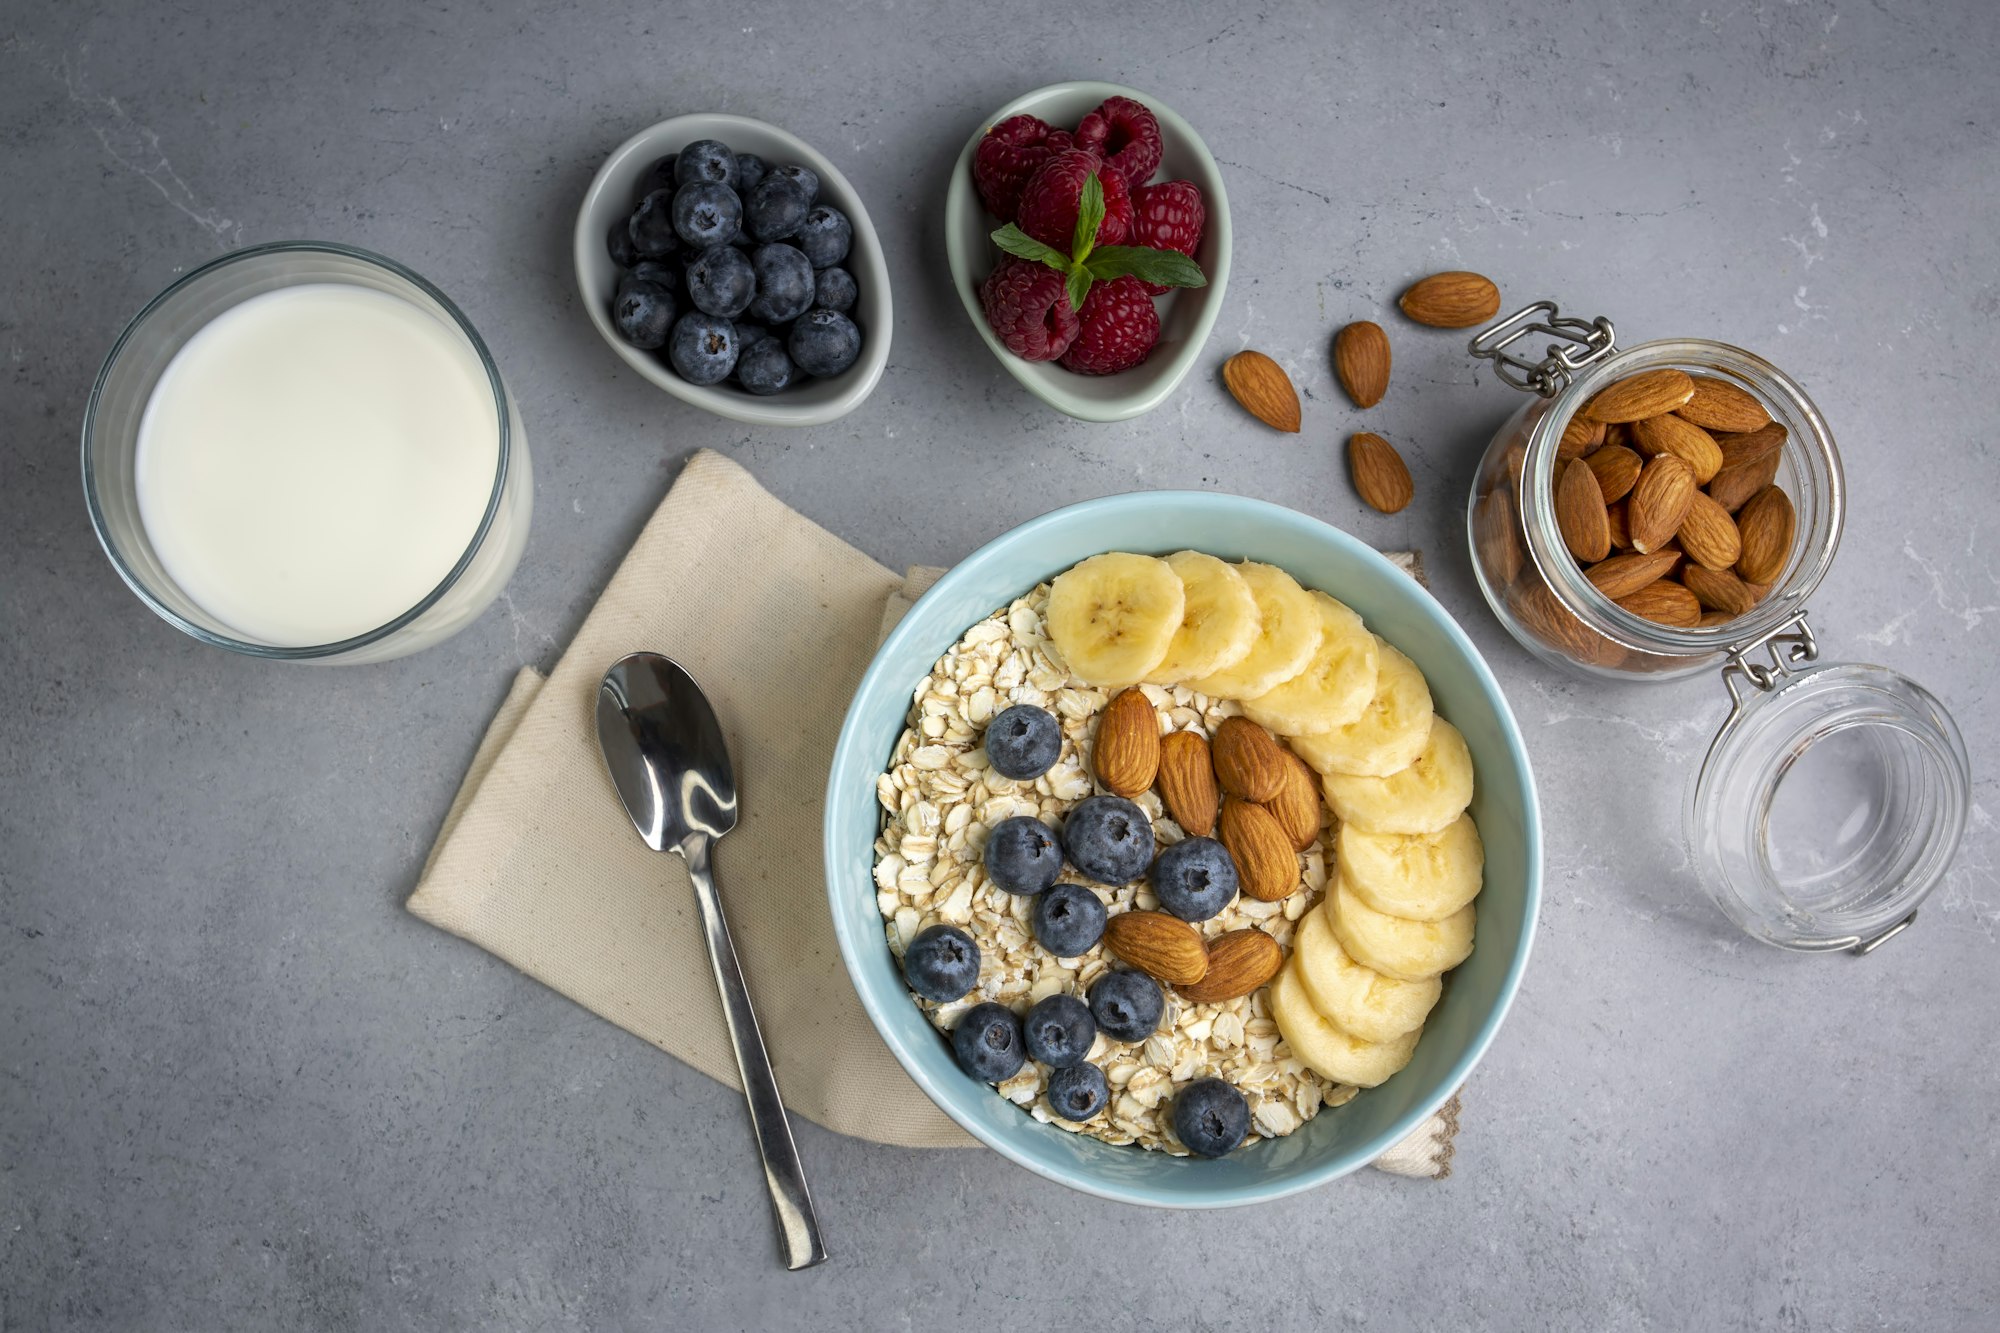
(1189, 872)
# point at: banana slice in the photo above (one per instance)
(1405, 950)
(1389, 734)
(1417, 876)
(1334, 687)
(1354, 998)
(1219, 625)
(1112, 616)
(1423, 798)
(1328, 1049)
(1287, 636)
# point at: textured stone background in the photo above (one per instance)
(239, 1087)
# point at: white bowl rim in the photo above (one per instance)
(1356, 1157)
(856, 383)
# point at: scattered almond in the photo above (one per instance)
(1750, 446)
(1380, 474)
(1239, 961)
(1361, 362)
(1733, 486)
(1719, 590)
(1127, 751)
(1267, 868)
(1616, 468)
(1708, 534)
(1265, 391)
(1187, 782)
(1684, 440)
(1296, 806)
(1455, 300)
(1580, 515)
(1161, 946)
(1623, 575)
(1646, 394)
(1664, 602)
(1766, 522)
(1719, 405)
(1248, 761)
(1659, 501)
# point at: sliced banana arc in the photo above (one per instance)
(1112, 616)
(1218, 625)
(1423, 798)
(1287, 636)
(1391, 731)
(1417, 876)
(1334, 687)
(1357, 999)
(1405, 950)
(1329, 1050)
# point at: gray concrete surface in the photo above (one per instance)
(241, 1088)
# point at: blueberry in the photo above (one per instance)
(942, 963)
(1058, 1031)
(1068, 920)
(706, 161)
(765, 367)
(643, 313)
(825, 236)
(987, 1042)
(1109, 839)
(775, 209)
(1078, 1092)
(1023, 742)
(1127, 1005)
(702, 348)
(748, 333)
(659, 176)
(825, 342)
(1022, 856)
(804, 177)
(722, 281)
(652, 228)
(1195, 878)
(705, 215)
(836, 290)
(750, 169)
(1210, 1117)
(663, 272)
(619, 244)
(784, 283)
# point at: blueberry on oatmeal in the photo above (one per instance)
(1022, 855)
(942, 963)
(1058, 1031)
(1127, 1005)
(1109, 839)
(987, 1042)
(1078, 1092)
(1211, 1117)
(1195, 878)
(1024, 742)
(1068, 920)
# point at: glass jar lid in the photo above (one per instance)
(1831, 802)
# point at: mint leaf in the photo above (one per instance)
(1089, 217)
(1168, 268)
(1018, 243)
(1079, 286)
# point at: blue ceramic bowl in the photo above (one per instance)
(1476, 995)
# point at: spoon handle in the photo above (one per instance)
(783, 1174)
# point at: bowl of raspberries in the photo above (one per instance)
(733, 266)
(1088, 235)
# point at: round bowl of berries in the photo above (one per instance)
(735, 267)
(1088, 235)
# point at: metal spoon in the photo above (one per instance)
(671, 766)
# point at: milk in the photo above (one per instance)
(313, 463)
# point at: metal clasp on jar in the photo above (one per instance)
(1582, 342)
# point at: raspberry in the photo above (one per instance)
(1168, 216)
(1008, 155)
(1052, 196)
(1126, 135)
(1119, 328)
(1028, 306)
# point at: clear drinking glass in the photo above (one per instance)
(1832, 799)
(143, 352)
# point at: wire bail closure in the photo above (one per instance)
(1581, 342)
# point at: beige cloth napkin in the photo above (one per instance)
(537, 863)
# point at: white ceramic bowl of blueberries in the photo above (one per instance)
(732, 265)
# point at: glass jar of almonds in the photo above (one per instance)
(1666, 509)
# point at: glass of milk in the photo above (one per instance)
(304, 451)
